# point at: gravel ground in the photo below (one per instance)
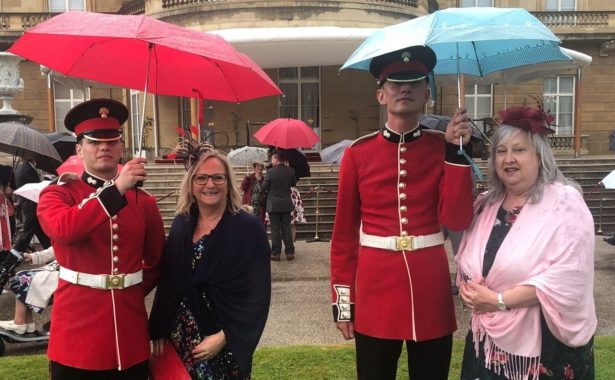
(301, 311)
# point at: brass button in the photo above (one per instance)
(402, 196)
(115, 227)
(116, 259)
(115, 237)
(402, 185)
(404, 220)
(402, 161)
(114, 217)
(115, 248)
(403, 149)
(116, 271)
(403, 208)
(404, 233)
(403, 173)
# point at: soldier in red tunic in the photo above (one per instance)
(390, 279)
(108, 238)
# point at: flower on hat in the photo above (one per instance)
(534, 120)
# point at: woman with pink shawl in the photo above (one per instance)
(526, 264)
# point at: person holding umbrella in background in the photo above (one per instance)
(108, 238)
(390, 280)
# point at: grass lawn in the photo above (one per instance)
(306, 362)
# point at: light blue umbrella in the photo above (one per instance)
(470, 41)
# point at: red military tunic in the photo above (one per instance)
(394, 186)
(96, 230)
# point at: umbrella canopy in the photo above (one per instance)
(609, 181)
(298, 161)
(74, 164)
(146, 54)
(287, 133)
(333, 153)
(63, 142)
(472, 41)
(26, 142)
(32, 190)
(246, 155)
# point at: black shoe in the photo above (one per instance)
(454, 289)
(610, 240)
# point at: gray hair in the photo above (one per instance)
(548, 172)
(186, 199)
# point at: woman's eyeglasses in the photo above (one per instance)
(201, 179)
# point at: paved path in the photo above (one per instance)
(301, 310)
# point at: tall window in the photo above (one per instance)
(65, 99)
(135, 118)
(301, 100)
(66, 5)
(475, 3)
(559, 100)
(560, 5)
(479, 100)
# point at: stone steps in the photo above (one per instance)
(165, 179)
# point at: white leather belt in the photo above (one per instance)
(102, 281)
(402, 243)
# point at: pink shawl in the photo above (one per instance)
(551, 247)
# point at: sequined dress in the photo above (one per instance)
(186, 335)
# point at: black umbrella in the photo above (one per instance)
(23, 141)
(298, 161)
(63, 142)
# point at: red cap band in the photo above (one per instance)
(96, 124)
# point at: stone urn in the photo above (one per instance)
(10, 81)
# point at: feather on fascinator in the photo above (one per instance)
(534, 120)
(190, 151)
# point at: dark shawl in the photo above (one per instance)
(235, 272)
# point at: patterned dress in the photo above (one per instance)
(186, 335)
(557, 361)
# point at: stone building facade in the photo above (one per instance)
(301, 45)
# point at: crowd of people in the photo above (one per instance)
(525, 261)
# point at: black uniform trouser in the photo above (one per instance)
(30, 227)
(427, 360)
(59, 371)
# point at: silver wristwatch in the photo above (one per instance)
(501, 305)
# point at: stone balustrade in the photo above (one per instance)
(166, 4)
(576, 19)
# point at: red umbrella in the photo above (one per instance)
(146, 54)
(74, 164)
(287, 133)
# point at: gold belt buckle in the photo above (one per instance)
(404, 243)
(115, 281)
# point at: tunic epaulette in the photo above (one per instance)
(65, 178)
(363, 138)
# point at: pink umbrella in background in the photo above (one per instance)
(74, 164)
(287, 133)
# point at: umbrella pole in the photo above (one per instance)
(600, 232)
(142, 121)
(316, 237)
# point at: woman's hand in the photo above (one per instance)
(478, 297)
(27, 258)
(157, 347)
(210, 346)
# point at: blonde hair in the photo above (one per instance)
(186, 199)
